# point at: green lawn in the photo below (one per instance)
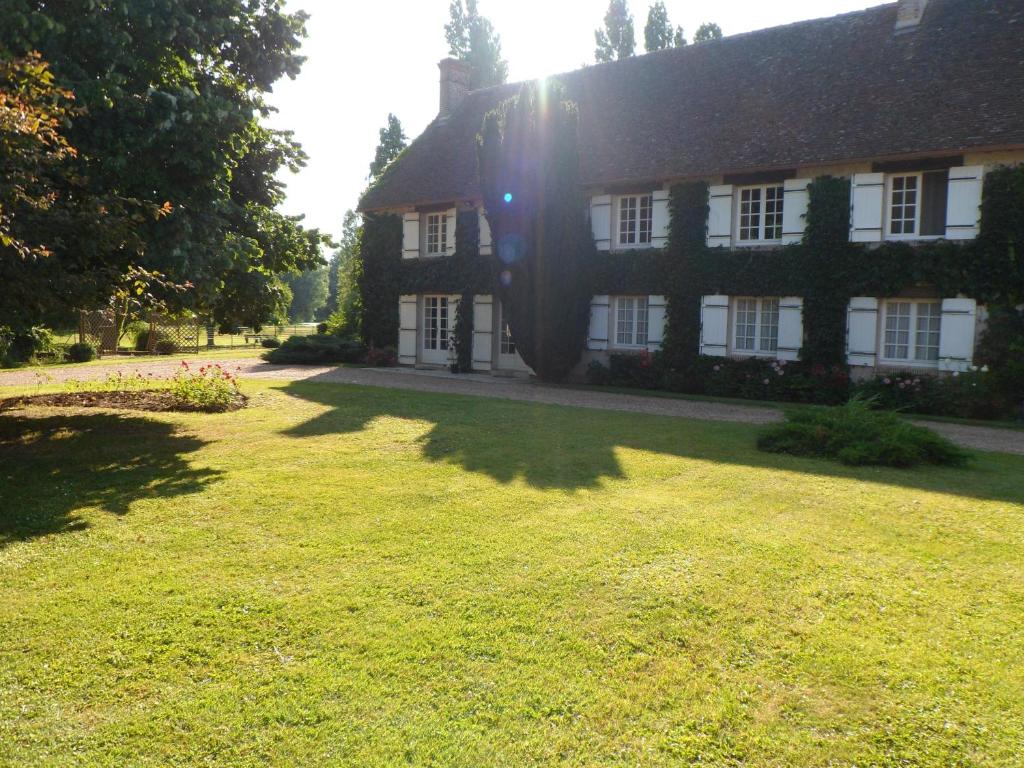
(367, 577)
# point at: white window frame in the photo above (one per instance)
(643, 205)
(437, 342)
(913, 331)
(764, 308)
(890, 182)
(442, 233)
(639, 316)
(780, 203)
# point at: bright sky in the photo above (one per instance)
(366, 58)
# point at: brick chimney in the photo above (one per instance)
(909, 14)
(454, 84)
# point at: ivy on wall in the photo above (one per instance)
(825, 268)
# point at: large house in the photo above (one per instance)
(913, 102)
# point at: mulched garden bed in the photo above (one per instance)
(143, 400)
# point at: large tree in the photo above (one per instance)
(309, 294)
(175, 171)
(616, 40)
(392, 142)
(658, 32)
(472, 39)
(346, 305)
(529, 174)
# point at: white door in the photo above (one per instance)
(437, 324)
(508, 356)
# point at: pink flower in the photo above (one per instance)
(765, 381)
(886, 381)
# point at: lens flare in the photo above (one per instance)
(508, 197)
(505, 278)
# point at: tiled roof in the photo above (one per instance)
(823, 91)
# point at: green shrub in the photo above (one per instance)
(321, 328)
(381, 357)
(856, 434)
(165, 346)
(317, 350)
(974, 394)
(271, 342)
(138, 332)
(81, 353)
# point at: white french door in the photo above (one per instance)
(437, 324)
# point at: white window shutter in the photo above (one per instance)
(655, 322)
(601, 221)
(862, 331)
(485, 234)
(867, 196)
(453, 218)
(410, 236)
(597, 336)
(956, 334)
(714, 326)
(660, 218)
(483, 332)
(791, 327)
(963, 205)
(720, 216)
(408, 312)
(795, 199)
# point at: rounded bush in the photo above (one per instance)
(81, 353)
(271, 343)
(165, 347)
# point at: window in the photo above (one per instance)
(761, 214)
(631, 321)
(756, 325)
(437, 233)
(636, 219)
(506, 345)
(912, 331)
(435, 322)
(917, 204)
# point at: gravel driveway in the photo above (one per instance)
(978, 438)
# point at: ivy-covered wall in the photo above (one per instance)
(825, 268)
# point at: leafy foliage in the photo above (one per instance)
(617, 39)
(379, 278)
(472, 39)
(309, 294)
(208, 388)
(529, 174)
(392, 142)
(855, 434)
(81, 352)
(658, 32)
(316, 350)
(706, 32)
(174, 171)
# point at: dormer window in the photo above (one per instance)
(760, 214)
(917, 204)
(636, 220)
(436, 234)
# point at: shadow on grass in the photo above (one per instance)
(551, 446)
(52, 466)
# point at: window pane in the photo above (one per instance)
(773, 213)
(746, 323)
(442, 325)
(929, 320)
(646, 220)
(934, 194)
(624, 324)
(443, 224)
(641, 321)
(769, 325)
(430, 322)
(897, 330)
(433, 233)
(903, 205)
(750, 214)
(627, 220)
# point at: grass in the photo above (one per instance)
(367, 577)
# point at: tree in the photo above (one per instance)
(706, 32)
(657, 31)
(309, 294)
(616, 40)
(679, 38)
(529, 175)
(346, 312)
(472, 39)
(174, 172)
(392, 142)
